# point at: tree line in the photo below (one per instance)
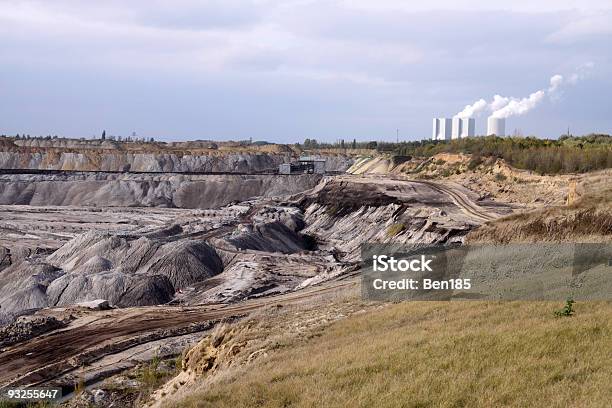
(568, 154)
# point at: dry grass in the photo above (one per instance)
(433, 354)
(588, 220)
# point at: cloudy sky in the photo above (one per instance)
(286, 70)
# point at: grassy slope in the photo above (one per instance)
(587, 220)
(433, 354)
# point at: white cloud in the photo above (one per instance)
(539, 6)
(119, 37)
(583, 28)
(412, 59)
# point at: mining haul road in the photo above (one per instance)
(44, 358)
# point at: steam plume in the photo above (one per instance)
(519, 106)
(505, 107)
(555, 82)
(472, 110)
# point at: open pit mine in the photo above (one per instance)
(112, 254)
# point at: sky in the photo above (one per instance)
(283, 71)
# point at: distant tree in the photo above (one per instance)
(354, 144)
(342, 143)
(104, 135)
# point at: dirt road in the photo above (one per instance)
(458, 197)
(462, 200)
(90, 338)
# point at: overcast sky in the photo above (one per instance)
(286, 70)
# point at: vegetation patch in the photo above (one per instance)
(568, 309)
(434, 354)
(544, 156)
(395, 229)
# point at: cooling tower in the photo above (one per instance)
(468, 127)
(445, 129)
(436, 129)
(496, 126)
(441, 129)
(457, 126)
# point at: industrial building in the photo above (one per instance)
(441, 129)
(496, 126)
(456, 128)
(304, 165)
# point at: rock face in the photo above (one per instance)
(256, 248)
(116, 160)
(141, 190)
(128, 272)
(26, 327)
(23, 285)
(126, 161)
(147, 269)
(344, 215)
(124, 270)
(98, 304)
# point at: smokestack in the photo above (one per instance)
(496, 126)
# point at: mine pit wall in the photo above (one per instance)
(92, 160)
(146, 190)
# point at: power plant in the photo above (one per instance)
(496, 126)
(455, 128)
(500, 108)
(459, 128)
(441, 129)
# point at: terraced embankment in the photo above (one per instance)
(145, 190)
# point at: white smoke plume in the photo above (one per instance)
(498, 102)
(472, 110)
(504, 107)
(555, 82)
(519, 106)
(581, 73)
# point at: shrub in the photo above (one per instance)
(149, 375)
(566, 155)
(568, 309)
(395, 229)
(475, 162)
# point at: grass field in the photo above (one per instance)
(434, 354)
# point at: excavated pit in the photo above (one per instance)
(145, 190)
(174, 271)
(259, 247)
